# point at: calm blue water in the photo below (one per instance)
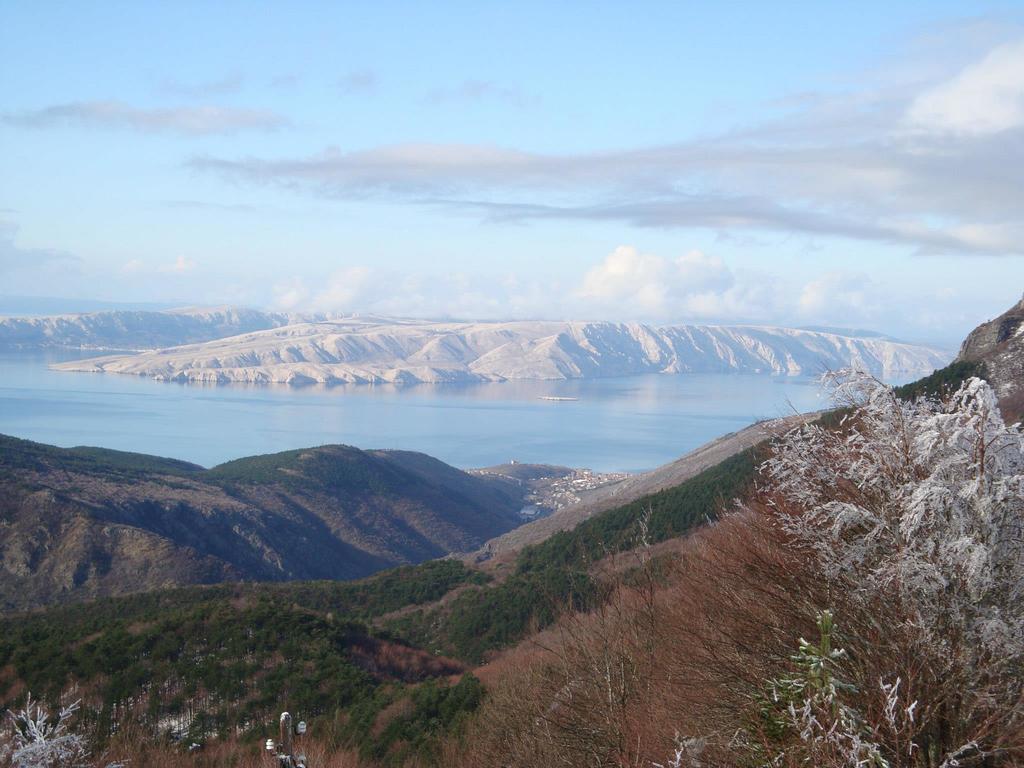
(625, 424)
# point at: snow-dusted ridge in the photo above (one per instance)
(378, 350)
(139, 330)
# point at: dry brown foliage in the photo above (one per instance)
(231, 753)
(396, 661)
(657, 664)
(614, 687)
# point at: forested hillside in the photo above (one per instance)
(84, 522)
(215, 661)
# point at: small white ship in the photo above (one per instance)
(558, 399)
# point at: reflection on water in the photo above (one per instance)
(624, 424)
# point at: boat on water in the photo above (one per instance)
(558, 399)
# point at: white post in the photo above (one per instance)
(286, 734)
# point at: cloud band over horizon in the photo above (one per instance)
(928, 171)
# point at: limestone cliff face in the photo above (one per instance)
(379, 350)
(999, 344)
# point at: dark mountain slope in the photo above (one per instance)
(83, 523)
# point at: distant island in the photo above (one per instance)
(223, 346)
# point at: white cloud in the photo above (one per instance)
(345, 288)
(653, 285)
(629, 276)
(179, 266)
(986, 97)
(290, 294)
(840, 297)
(182, 265)
(697, 272)
(627, 285)
(349, 289)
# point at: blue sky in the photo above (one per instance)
(849, 164)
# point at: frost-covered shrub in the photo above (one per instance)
(916, 508)
(39, 739)
(811, 706)
(925, 498)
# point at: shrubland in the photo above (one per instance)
(861, 608)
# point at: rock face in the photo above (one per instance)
(999, 344)
(84, 522)
(372, 350)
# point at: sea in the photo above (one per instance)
(625, 424)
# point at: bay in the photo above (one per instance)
(621, 424)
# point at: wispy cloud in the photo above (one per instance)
(228, 84)
(186, 121)
(203, 205)
(285, 81)
(929, 166)
(358, 81)
(471, 91)
(729, 215)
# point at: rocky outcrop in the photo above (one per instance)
(999, 345)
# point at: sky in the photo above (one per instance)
(803, 163)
